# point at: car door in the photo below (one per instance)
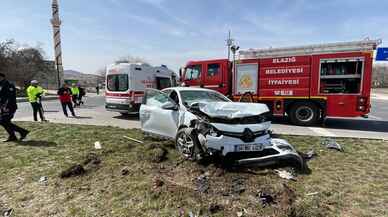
(159, 114)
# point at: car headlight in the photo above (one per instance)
(207, 129)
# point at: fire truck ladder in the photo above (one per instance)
(341, 47)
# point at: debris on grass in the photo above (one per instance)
(157, 182)
(310, 155)
(75, 170)
(238, 185)
(92, 159)
(8, 212)
(97, 145)
(285, 175)
(202, 183)
(332, 144)
(134, 140)
(242, 213)
(312, 193)
(43, 180)
(214, 208)
(124, 171)
(266, 199)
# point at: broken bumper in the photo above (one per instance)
(271, 150)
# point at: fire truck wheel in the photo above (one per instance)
(304, 114)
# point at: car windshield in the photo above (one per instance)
(191, 96)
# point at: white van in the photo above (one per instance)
(126, 83)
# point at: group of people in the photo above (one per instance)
(8, 106)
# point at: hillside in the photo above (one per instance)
(87, 80)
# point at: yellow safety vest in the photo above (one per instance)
(74, 91)
(33, 92)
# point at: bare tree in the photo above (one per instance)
(21, 64)
(131, 59)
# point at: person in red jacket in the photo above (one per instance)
(65, 97)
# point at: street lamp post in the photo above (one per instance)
(234, 49)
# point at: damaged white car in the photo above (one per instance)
(204, 122)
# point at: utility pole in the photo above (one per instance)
(56, 23)
(229, 43)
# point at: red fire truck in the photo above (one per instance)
(307, 83)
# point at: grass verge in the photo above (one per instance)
(152, 180)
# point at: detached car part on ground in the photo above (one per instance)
(205, 123)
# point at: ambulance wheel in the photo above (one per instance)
(304, 114)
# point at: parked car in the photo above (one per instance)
(204, 122)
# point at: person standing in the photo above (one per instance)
(82, 93)
(65, 97)
(8, 108)
(75, 94)
(34, 93)
(98, 89)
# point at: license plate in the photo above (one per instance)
(249, 147)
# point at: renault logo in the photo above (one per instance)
(248, 135)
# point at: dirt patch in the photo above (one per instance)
(75, 170)
(155, 153)
(92, 159)
(286, 197)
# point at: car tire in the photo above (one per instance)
(187, 144)
(304, 114)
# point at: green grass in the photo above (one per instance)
(353, 183)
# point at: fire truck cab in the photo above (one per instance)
(307, 83)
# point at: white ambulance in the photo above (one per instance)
(126, 83)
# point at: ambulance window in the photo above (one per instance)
(193, 72)
(118, 82)
(162, 83)
(213, 70)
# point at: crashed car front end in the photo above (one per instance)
(240, 134)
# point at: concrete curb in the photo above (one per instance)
(46, 98)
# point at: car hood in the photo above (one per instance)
(232, 110)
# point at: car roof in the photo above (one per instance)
(189, 88)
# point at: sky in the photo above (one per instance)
(172, 32)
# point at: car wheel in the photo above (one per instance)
(187, 143)
(304, 114)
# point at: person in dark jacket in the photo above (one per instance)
(65, 96)
(82, 93)
(8, 108)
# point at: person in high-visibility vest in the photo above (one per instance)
(34, 93)
(75, 94)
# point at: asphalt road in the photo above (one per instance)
(94, 113)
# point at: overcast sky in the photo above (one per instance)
(171, 32)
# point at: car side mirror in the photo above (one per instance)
(170, 106)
